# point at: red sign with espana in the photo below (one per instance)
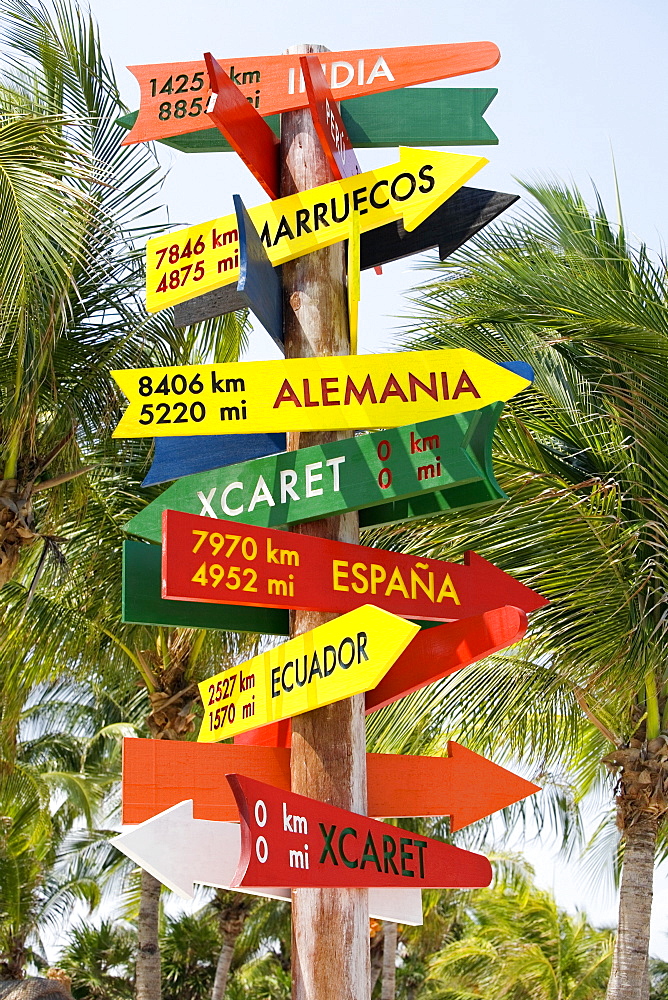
(289, 839)
(225, 562)
(174, 96)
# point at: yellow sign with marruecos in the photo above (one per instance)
(189, 262)
(310, 394)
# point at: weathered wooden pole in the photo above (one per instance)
(330, 927)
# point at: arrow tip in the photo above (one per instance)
(439, 176)
(490, 787)
(159, 843)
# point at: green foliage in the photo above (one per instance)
(100, 961)
(189, 947)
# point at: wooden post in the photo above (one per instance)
(330, 927)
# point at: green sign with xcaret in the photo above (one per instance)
(371, 471)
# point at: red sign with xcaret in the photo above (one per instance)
(289, 839)
(224, 562)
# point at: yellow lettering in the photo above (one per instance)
(447, 590)
(417, 582)
(396, 583)
(359, 569)
(339, 571)
(378, 574)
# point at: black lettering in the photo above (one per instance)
(359, 196)
(265, 235)
(352, 652)
(302, 221)
(315, 668)
(234, 77)
(327, 846)
(283, 673)
(420, 844)
(424, 175)
(283, 230)
(302, 682)
(346, 213)
(216, 383)
(332, 652)
(274, 682)
(319, 213)
(230, 413)
(372, 194)
(395, 184)
(362, 639)
(251, 77)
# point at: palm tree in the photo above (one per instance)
(583, 457)
(519, 944)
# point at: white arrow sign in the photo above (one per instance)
(180, 850)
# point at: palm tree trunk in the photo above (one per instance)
(388, 984)
(629, 968)
(222, 970)
(148, 953)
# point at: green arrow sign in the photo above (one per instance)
(441, 464)
(430, 116)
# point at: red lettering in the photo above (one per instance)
(327, 391)
(307, 394)
(286, 394)
(359, 394)
(444, 385)
(392, 388)
(431, 389)
(465, 385)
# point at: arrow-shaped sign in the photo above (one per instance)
(327, 120)
(301, 394)
(462, 216)
(222, 562)
(174, 458)
(180, 850)
(244, 128)
(174, 95)
(433, 654)
(191, 261)
(366, 471)
(333, 661)
(158, 774)
(296, 840)
(437, 116)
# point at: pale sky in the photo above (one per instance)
(579, 81)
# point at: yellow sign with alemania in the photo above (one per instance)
(189, 262)
(344, 657)
(309, 394)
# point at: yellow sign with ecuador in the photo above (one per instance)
(344, 657)
(189, 262)
(310, 394)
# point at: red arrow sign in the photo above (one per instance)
(431, 655)
(224, 562)
(244, 128)
(328, 121)
(290, 839)
(158, 774)
(174, 95)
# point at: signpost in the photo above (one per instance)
(288, 838)
(212, 857)
(188, 262)
(175, 95)
(367, 471)
(327, 119)
(222, 562)
(344, 657)
(439, 116)
(462, 216)
(158, 774)
(305, 394)
(185, 456)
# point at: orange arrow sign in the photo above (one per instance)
(158, 774)
(174, 96)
